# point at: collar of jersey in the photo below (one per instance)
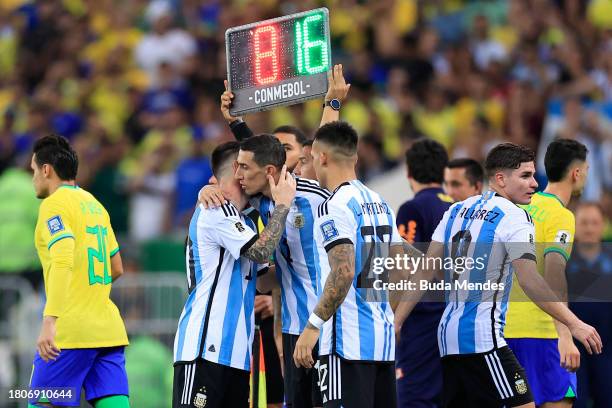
(69, 186)
(346, 183)
(551, 195)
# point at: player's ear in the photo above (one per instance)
(271, 170)
(576, 173)
(323, 158)
(46, 170)
(500, 179)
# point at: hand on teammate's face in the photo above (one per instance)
(283, 192)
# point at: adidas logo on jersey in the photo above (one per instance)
(212, 348)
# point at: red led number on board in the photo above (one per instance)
(266, 61)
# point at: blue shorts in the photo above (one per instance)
(100, 371)
(548, 381)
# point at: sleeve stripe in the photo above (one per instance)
(229, 210)
(249, 244)
(340, 241)
(114, 251)
(58, 238)
(559, 250)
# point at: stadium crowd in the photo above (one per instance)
(135, 87)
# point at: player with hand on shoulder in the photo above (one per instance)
(298, 256)
(212, 347)
(82, 339)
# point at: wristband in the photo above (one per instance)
(316, 321)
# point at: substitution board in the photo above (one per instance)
(276, 62)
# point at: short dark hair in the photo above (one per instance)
(473, 170)
(426, 160)
(267, 150)
(339, 135)
(300, 136)
(222, 154)
(560, 154)
(308, 143)
(507, 156)
(56, 151)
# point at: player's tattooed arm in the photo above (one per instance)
(262, 249)
(342, 263)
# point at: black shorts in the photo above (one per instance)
(202, 383)
(492, 379)
(356, 384)
(301, 384)
(274, 376)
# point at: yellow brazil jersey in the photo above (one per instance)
(554, 232)
(87, 318)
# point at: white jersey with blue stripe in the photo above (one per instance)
(362, 328)
(217, 321)
(491, 231)
(297, 257)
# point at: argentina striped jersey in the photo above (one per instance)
(492, 232)
(297, 257)
(361, 329)
(217, 320)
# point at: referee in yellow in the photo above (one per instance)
(82, 339)
(543, 346)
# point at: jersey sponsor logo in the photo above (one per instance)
(562, 236)
(212, 348)
(531, 239)
(239, 227)
(328, 228)
(55, 224)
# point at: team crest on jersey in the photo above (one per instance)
(55, 224)
(199, 401)
(520, 384)
(239, 227)
(562, 236)
(328, 228)
(299, 221)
